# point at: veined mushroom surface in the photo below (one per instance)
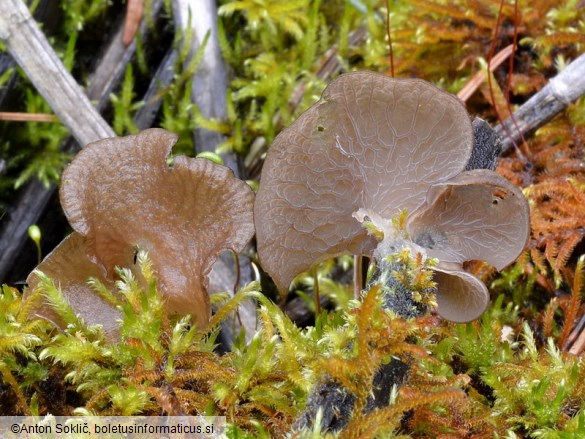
(371, 147)
(120, 195)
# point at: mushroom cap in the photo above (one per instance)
(370, 142)
(476, 215)
(70, 268)
(461, 297)
(121, 194)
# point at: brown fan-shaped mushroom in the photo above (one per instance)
(373, 146)
(68, 263)
(120, 194)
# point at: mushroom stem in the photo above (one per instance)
(335, 401)
(398, 298)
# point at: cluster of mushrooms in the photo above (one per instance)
(371, 147)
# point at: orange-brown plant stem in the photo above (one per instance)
(388, 29)
(27, 117)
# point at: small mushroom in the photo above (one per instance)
(120, 195)
(370, 148)
(477, 215)
(68, 263)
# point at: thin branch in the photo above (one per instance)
(134, 13)
(579, 345)
(477, 79)
(162, 78)
(31, 50)
(561, 91)
(7, 63)
(117, 56)
(209, 91)
(576, 341)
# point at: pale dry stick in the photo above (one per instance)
(477, 79)
(208, 93)
(152, 99)
(561, 91)
(134, 13)
(6, 63)
(576, 341)
(579, 345)
(31, 50)
(112, 66)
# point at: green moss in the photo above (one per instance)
(160, 365)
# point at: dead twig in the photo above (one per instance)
(34, 197)
(199, 17)
(477, 79)
(112, 66)
(31, 50)
(579, 345)
(561, 91)
(575, 343)
(162, 78)
(134, 13)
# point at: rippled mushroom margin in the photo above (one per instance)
(121, 195)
